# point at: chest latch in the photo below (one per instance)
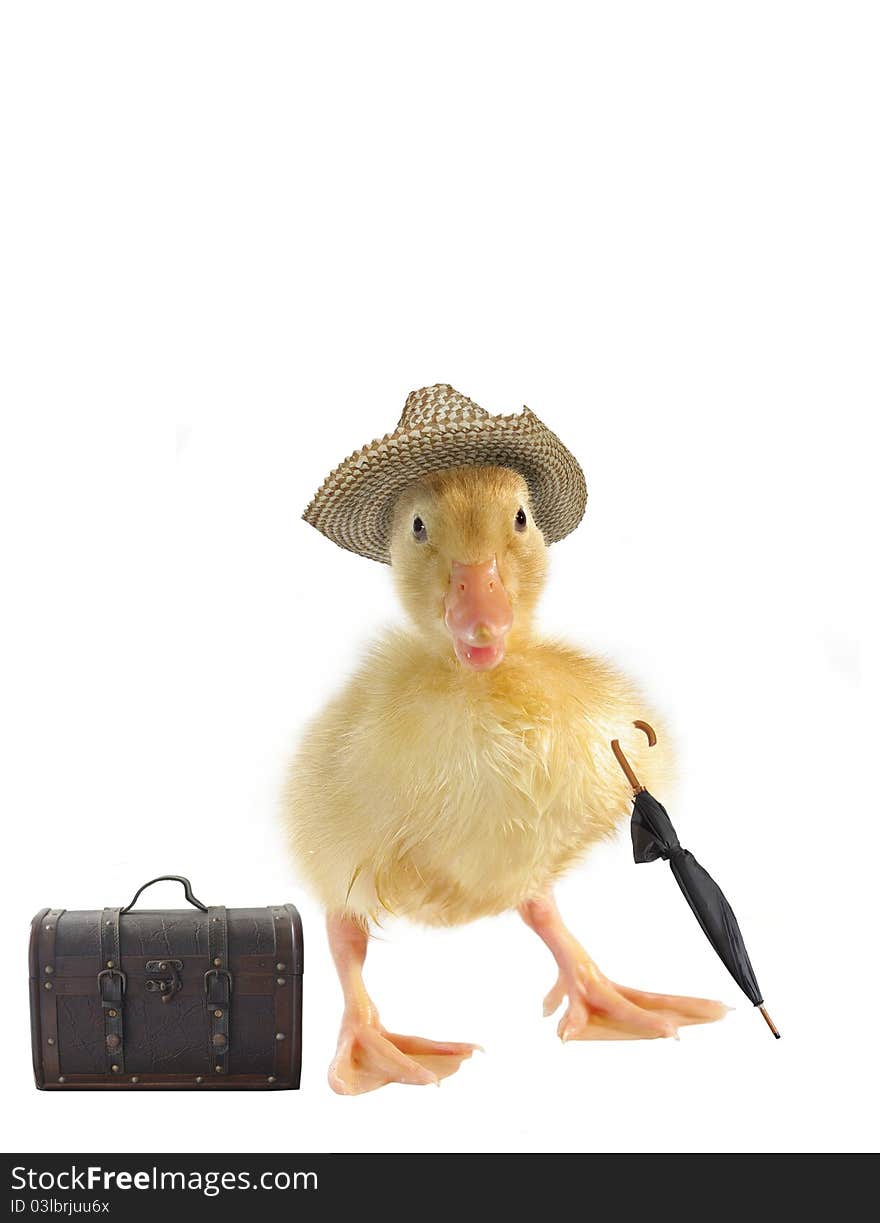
(163, 978)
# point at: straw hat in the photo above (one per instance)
(440, 428)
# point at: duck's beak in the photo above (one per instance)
(478, 614)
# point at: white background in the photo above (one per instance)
(255, 228)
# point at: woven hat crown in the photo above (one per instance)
(433, 404)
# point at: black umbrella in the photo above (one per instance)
(654, 837)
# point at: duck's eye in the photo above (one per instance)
(419, 529)
(520, 519)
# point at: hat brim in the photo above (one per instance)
(354, 506)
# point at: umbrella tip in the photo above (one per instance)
(770, 1024)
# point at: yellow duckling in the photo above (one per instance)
(466, 765)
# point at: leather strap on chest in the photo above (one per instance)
(218, 990)
(49, 996)
(111, 987)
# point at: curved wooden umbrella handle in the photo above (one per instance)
(637, 786)
(648, 729)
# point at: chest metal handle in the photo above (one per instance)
(187, 891)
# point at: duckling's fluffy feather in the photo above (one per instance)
(443, 796)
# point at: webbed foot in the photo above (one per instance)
(368, 1056)
(599, 1009)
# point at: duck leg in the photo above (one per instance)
(367, 1055)
(598, 1009)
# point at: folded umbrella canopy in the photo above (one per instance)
(653, 836)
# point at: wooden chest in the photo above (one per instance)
(200, 998)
